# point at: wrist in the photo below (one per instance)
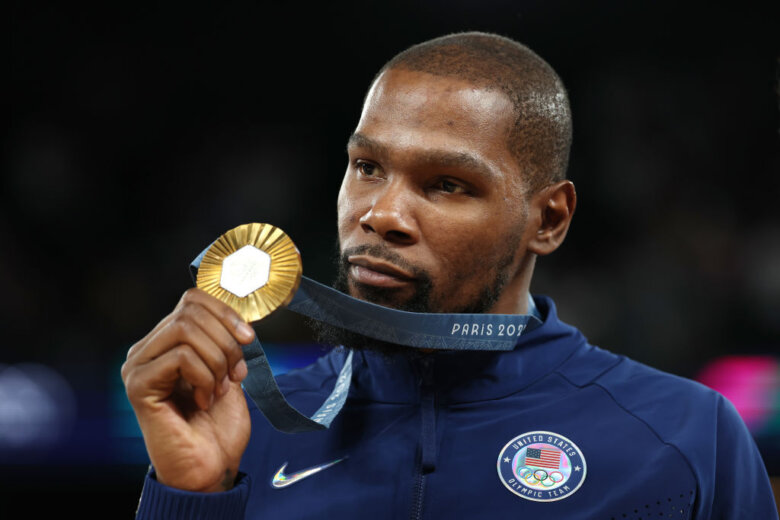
(225, 482)
(160, 501)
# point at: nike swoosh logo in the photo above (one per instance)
(280, 480)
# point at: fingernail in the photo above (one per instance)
(244, 329)
(211, 400)
(225, 385)
(240, 370)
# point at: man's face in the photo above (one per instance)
(432, 209)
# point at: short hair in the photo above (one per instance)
(540, 138)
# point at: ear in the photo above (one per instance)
(553, 208)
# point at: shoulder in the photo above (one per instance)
(660, 399)
(701, 425)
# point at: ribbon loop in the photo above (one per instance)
(412, 329)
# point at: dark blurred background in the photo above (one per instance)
(136, 134)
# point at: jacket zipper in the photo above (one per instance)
(428, 437)
(417, 497)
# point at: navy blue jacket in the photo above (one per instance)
(556, 428)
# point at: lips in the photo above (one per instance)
(372, 271)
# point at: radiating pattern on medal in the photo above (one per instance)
(254, 268)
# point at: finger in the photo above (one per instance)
(196, 373)
(133, 351)
(154, 382)
(221, 337)
(186, 329)
(233, 322)
(239, 329)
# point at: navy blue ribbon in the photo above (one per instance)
(412, 329)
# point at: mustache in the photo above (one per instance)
(385, 253)
(327, 334)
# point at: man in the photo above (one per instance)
(455, 184)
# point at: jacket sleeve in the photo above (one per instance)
(159, 501)
(742, 488)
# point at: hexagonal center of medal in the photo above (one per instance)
(245, 271)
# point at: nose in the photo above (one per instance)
(391, 216)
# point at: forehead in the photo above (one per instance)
(410, 109)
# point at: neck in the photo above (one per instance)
(514, 297)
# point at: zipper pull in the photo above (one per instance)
(426, 371)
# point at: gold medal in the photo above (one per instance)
(254, 268)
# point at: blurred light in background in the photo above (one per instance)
(752, 384)
(37, 409)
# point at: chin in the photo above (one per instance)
(379, 295)
(416, 299)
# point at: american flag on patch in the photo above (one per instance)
(543, 458)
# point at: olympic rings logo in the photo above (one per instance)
(539, 477)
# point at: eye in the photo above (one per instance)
(365, 168)
(449, 187)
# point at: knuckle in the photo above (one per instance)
(181, 324)
(220, 365)
(131, 351)
(189, 309)
(192, 312)
(182, 354)
(189, 295)
(228, 315)
(124, 371)
(133, 385)
(227, 342)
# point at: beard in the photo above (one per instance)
(420, 301)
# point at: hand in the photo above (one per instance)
(183, 381)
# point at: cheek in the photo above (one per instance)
(463, 275)
(345, 207)
(460, 252)
(469, 250)
(464, 232)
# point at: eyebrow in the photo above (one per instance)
(444, 158)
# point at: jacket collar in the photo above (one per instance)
(466, 376)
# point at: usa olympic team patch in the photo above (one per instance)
(541, 466)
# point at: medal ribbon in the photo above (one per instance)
(412, 329)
